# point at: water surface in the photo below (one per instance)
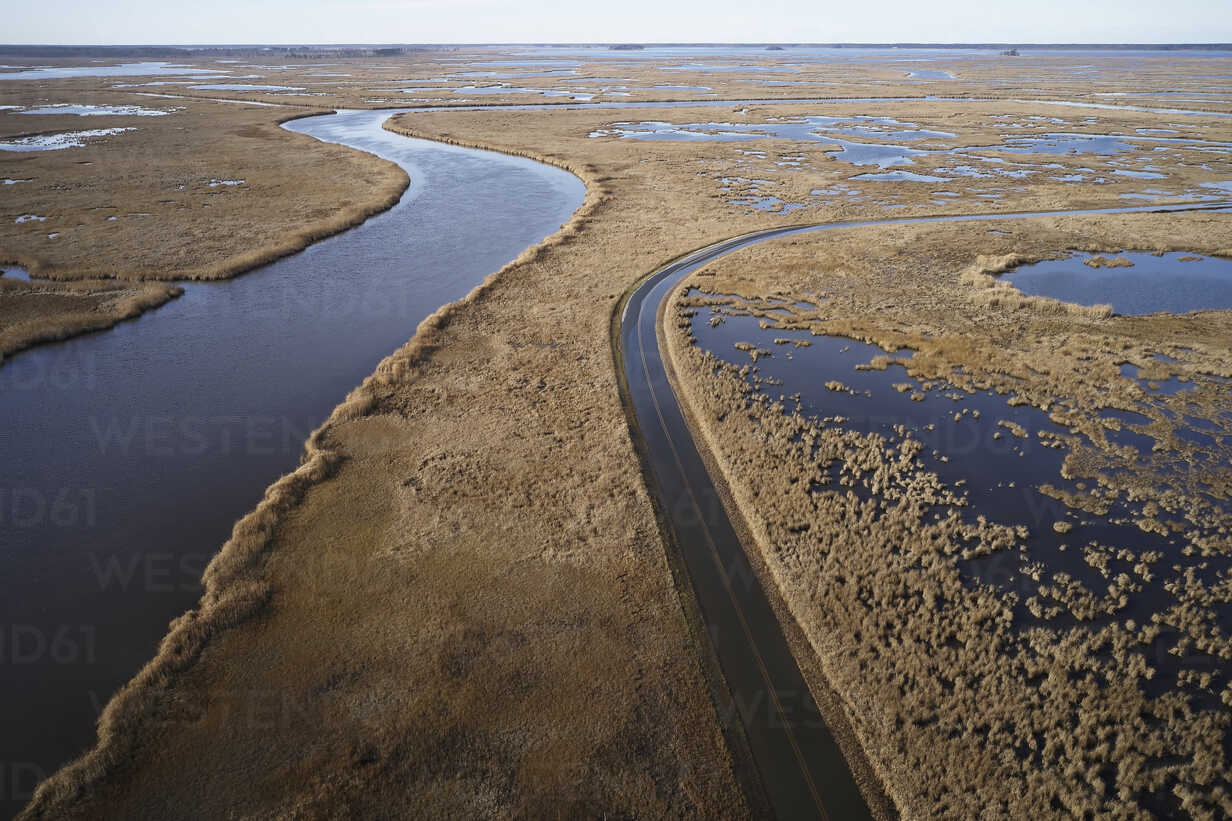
(122, 70)
(1173, 282)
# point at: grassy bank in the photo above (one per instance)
(208, 191)
(31, 313)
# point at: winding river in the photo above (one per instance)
(129, 454)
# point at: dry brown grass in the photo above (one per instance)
(169, 223)
(31, 313)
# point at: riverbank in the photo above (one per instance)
(36, 312)
(198, 190)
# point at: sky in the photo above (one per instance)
(134, 22)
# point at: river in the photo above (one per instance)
(128, 454)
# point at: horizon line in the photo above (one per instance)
(646, 44)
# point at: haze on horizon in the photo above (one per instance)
(150, 22)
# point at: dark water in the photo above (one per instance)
(128, 454)
(997, 472)
(1152, 284)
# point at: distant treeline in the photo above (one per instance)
(990, 46)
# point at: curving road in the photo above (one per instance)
(801, 768)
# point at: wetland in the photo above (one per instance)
(980, 469)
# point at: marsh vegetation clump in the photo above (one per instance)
(1100, 261)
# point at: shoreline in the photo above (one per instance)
(106, 314)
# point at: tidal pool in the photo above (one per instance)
(98, 110)
(899, 176)
(56, 142)
(243, 87)
(820, 129)
(122, 70)
(715, 67)
(511, 75)
(669, 87)
(546, 92)
(930, 74)
(1175, 282)
(878, 150)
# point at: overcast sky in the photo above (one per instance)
(503, 21)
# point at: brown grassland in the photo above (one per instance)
(139, 205)
(459, 604)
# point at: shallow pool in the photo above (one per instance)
(1174, 282)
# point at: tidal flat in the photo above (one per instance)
(460, 604)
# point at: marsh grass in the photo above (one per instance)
(31, 313)
(891, 577)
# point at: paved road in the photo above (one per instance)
(800, 765)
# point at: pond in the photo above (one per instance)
(1175, 282)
